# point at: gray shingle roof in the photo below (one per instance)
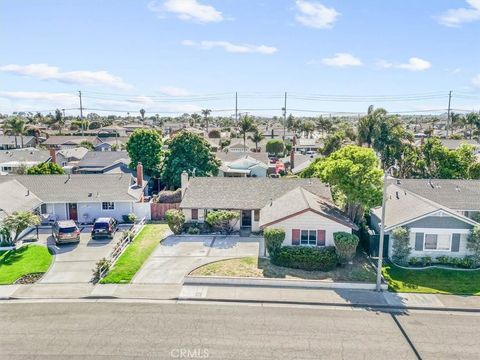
(244, 193)
(78, 187)
(232, 156)
(299, 200)
(453, 144)
(24, 155)
(16, 197)
(10, 140)
(454, 194)
(70, 140)
(103, 159)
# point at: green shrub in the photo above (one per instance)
(273, 239)
(306, 258)
(426, 260)
(414, 261)
(175, 220)
(193, 230)
(473, 243)
(401, 245)
(222, 220)
(214, 134)
(346, 245)
(129, 218)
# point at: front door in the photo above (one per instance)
(246, 218)
(72, 211)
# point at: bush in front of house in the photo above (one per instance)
(306, 258)
(401, 246)
(273, 239)
(466, 262)
(346, 245)
(473, 243)
(129, 218)
(222, 220)
(175, 220)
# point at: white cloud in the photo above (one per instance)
(413, 64)
(188, 10)
(81, 77)
(476, 81)
(39, 96)
(315, 15)
(232, 48)
(456, 17)
(342, 60)
(173, 91)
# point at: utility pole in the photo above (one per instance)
(236, 108)
(63, 110)
(284, 116)
(81, 110)
(448, 112)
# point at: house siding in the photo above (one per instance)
(463, 251)
(310, 221)
(440, 222)
(88, 212)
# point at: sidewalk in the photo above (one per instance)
(243, 294)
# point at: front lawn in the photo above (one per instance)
(30, 259)
(432, 280)
(361, 270)
(135, 255)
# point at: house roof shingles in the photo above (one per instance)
(79, 187)
(16, 197)
(244, 193)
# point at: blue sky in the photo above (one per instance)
(183, 55)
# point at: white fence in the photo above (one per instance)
(120, 248)
(142, 210)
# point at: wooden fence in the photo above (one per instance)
(158, 210)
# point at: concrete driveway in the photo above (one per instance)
(177, 256)
(73, 263)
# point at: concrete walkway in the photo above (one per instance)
(177, 256)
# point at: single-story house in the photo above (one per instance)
(98, 162)
(16, 197)
(12, 161)
(79, 197)
(65, 142)
(302, 207)
(453, 144)
(435, 230)
(241, 164)
(11, 142)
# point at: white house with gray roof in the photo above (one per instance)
(302, 207)
(13, 161)
(435, 229)
(82, 198)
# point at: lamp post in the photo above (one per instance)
(382, 228)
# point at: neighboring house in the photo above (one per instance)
(8, 142)
(67, 142)
(243, 164)
(13, 161)
(303, 207)
(303, 145)
(300, 162)
(82, 198)
(236, 145)
(98, 162)
(435, 230)
(16, 197)
(69, 158)
(455, 144)
(112, 143)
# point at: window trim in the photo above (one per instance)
(437, 235)
(192, 212)
(256, 215)
(309, 240)
(108, 203)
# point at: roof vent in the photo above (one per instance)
(90, 194)
(397, 195)
(457, 188)
(398, 182)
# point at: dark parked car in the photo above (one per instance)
(104, 227)
(65, 231)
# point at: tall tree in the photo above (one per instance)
(196, 118)
(368, 125)
(145, 146)
(142, 114)
(355, 177)
(46, 168)
(15, 126)
(206, 114)
(256, 137)
(59, 120)
(246, 124)
(188, 152)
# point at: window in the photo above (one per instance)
(108, 205)
(194, 214)
(308, 237)
(256, 215)
(437, 242)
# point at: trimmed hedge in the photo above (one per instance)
(273, 239)
(306, 258)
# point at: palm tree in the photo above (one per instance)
(246, 125)
(368, 125)
(15, 126)
(142, 114)
(206, 113)
(196, 119)
(256, 137)
(471, 119)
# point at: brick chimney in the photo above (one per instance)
(184, 182)
(140, 174)
(53, 156)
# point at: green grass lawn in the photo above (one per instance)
(135, 255)
(25, 260)
(360, 270)
(437, 281)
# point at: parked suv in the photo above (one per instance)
(65, 231)
(104, 227)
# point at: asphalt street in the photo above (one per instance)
(105, 329)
